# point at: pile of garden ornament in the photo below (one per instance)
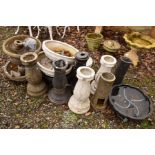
(65, 74)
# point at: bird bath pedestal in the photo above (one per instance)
(99, 100)
(107, 63)
(79, 102)
(121, 69)
(80, 60)
(35, 86)
(61, 91)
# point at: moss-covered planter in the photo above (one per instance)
(93, 40)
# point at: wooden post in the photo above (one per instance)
(98, 29)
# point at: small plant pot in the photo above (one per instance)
(93, 41)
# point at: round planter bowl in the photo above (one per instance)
(7, 68)
(111, 45)
(14, 54)
(52, 48)
(139, 107)
(45, 65)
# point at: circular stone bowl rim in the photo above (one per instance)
(85, 77)
(133, 118)
(60, 68)
(60, 42)
(101, 36)
(19, 79)
(28, 62)
(18, 55)
(103, 61)
(106, 79)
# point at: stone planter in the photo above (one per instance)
(121, 69)
(35, 86)
(94, 40)
(61, 91)
(56, 50)
(79, 102)
(99, 100)
(107, 63)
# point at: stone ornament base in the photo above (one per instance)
(57, 99)
(79, 107)
(97, 107)
(36, 90)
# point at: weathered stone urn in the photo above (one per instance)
(80, 60)
(61, 91)
(79, 102)
(99, 100)
(107, 63)
(121, 69)
(36, 86)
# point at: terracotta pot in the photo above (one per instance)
(35, 86)
(79, 102)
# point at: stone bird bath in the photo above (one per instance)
(14, 47)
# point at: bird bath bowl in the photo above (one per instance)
(45, 65)
(17, 45)
(130, 102)
(138, 40)
(56, 50)
(12, 72)
(111, 45)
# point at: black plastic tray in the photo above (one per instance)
(130, 102)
